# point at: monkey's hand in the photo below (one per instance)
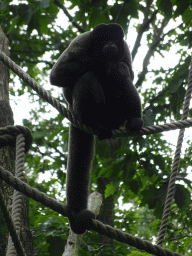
(124, 70)
(118, 69)
(121, 75)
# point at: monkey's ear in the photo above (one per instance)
(73, 62)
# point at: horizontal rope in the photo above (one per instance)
(155, 129)
(71, 117)
(41, 197)
(96, 225)
(131, 240)
(33, 193)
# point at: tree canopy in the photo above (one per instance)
(132, 173)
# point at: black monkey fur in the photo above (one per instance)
(96, 74)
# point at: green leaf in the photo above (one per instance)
(187, 16)
(166, 7)
(134, 186)
(13, 24)
(110, 189)
(25, 12)
(43, 21)
(181, 7)
(174, 85)
(3, 5)
(182, 196)
(56, 245)
(149, 117)
(44, 3)
(131, 9)
(96, 18)
(184, 73)
(160, 161)
(149, 197)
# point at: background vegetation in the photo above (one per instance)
(132, 173)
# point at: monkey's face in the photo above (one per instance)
(108, 45)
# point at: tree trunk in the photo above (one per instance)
(7, 161)
(106, 215)
(7, 154)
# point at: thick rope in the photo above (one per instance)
(55, 103)
(96, 225)
(8, 136)
(33, 192)
(171, 186)
(11, 228)
(130, 240)
(59, 207)
(147, 130)
(36, 87)
(72, 118)
(17, 196)
(7, 139)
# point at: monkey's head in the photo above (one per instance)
(103, 45)
(108, 43)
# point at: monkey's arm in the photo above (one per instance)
(73, 62)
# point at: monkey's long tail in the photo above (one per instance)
(81, 153)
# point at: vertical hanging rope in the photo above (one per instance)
(17, 196)
(171, 186)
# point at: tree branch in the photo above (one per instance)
(150, 53)
(121, 11)
(71, 19)
(74, 241)
(144, 27)
(152, 49)
(40, 61)
(154, 99)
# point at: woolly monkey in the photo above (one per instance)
(96, 74)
